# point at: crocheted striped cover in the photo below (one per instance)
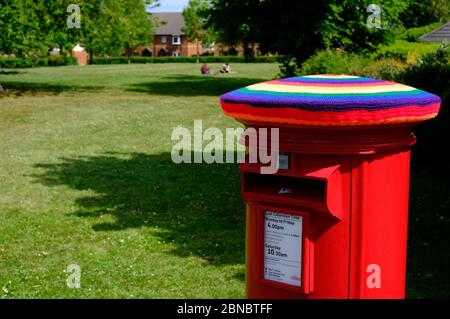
(330, 100)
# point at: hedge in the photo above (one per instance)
(169, 59)
(430, 71)
(405, 51)
(413, 34)
(333, 62)
(60, 60)
(12, 63)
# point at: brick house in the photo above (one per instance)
(169, 38)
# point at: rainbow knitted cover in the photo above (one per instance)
(330, 100)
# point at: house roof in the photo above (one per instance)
(440, 34)
(172, 23)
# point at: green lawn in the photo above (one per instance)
(86, 178)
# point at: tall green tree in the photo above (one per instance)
(20, 27)
(235, 22)
(423, 12)
(348, 26)
(292, 28)
(298, 28)
(195, 27)
(136, 27)
(113, 26)
(109, 27)
(53, 25)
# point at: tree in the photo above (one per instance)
(346, 26)
(235, 22)
(54, 28)
(135, 26)
(32, 27)
(20, 27)
(112, 26)
(292, 28)
(298, 28)
(194, 28)
(423, 12)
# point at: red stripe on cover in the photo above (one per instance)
(411, 113)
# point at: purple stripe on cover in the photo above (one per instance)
(324, 105)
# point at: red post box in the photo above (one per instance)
(332, 221)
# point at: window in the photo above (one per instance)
(176, 39)
(163, 39)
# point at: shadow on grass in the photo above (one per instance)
(18, 88)
(10, 72)
(428, 266)
(197, 207)
(192, 85)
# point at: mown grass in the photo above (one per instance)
(86, 178)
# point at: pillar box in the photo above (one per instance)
(332, 221)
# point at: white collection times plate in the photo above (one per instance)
(283, 248)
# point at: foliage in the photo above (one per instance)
(333, 62)
(430, 71)
(386, 68)
(170, 59)
(288, 28)
(21, 29)
(299, 28)
(387, 62)
(195, 25)
(346, 26)
(110, 27)
(413, 34)
(31, 28)
(234, 22)
(405, 51)
(29, 62)
(136, 27)
(288, 66)
(423, 12)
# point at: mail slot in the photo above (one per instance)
(331, 222)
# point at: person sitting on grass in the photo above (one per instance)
(226, 68)
(205, 69)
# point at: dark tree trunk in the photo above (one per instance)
(198, 50)
(248, 52)
(91, 56)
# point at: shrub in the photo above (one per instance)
(169, 59)
(387, 69)
(288, 67)
(13, 63)
(413, 34)
(333, 62)
(432, 73)
(405, 51)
